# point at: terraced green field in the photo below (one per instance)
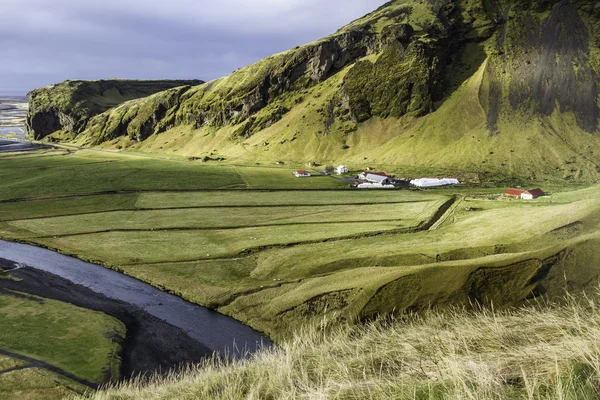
(279, 256)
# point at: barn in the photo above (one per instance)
(514, 192)
(532, 194)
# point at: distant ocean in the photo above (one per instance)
(12, 116)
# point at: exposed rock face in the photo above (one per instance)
(219, 103)
(69, 106)
(138, 119)
(542, 65)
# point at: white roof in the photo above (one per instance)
(375, 186)
(434, 182)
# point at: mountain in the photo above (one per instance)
(68, 106)
(504, 89)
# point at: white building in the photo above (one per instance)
(374, 186)
(341, 170)
(434, 182)
(376, 178)
(532, 194)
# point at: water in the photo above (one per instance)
(217, 332)
(12, 146)
(12, 116)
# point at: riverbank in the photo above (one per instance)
(151, 346)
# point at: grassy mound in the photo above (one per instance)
(544, 351)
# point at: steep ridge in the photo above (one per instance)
(504, 89)
(69, 105)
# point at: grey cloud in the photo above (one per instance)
(46, 42)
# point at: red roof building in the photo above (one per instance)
(533, 194)
(301, 173)
(514, 192)
(525, 194)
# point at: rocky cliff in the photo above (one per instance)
(69, 106)
(497, 87)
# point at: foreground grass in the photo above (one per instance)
(543, 351)
(81, 342)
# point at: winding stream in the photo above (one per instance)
(217, 332)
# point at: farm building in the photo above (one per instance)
(374, 186)
(532, 194)
(514, 192)
(434, 182)
(341, 170)
(525, 194)
(365, 174)
(378, 178)
(302, 173)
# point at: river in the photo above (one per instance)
(216, 332)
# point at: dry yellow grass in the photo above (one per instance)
(542, 351)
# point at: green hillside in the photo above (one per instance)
(503, 89)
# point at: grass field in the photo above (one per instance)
(543, 351)
(81, 342)
(279, 257)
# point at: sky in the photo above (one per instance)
(47, 41)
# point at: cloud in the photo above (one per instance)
(44, 42)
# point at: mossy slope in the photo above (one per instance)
(499, 88)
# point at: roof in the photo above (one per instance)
(514, 192)
(375, 173)
(536, 192)
(375, 177)
(302, 172)
(434, 182)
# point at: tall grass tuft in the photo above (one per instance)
(542, 351)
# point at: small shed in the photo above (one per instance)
(532, 194)
(302, 173)
(341, 170)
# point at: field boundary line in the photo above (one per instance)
(174, 191)
(34, 363)
(447, 214)
(216, 228)
(237, 171)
